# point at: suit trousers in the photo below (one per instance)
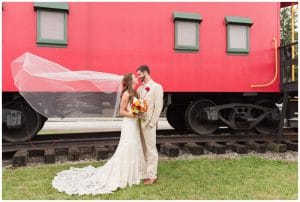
(150, 151)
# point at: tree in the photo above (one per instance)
(285, 26)
(286, 39)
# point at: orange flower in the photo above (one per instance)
(139, 106)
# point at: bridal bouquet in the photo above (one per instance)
(139, 106)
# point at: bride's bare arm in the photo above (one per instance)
(123, 106)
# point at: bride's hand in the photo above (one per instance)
(140, 116)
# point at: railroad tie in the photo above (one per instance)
(111, 150)
(36, 152)
(194, 148)
(20, 158)
(258, 147)
(101, 153)
(216, 147)
(49, 156)
(61, 151)
(238, 148)
(169, 150)
(85, 150)
(272, 146)
(73, 154)
(291, 145)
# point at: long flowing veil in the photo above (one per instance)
(55, 91)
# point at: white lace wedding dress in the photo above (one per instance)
(126, 167)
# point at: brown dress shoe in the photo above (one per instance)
(150, 181)
(146, 181)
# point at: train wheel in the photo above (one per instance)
(20, 122)
(269, 124)
(175, 116)
(197, 120)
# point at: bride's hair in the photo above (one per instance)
(127, 86)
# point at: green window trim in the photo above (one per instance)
(186, 17)
(238, 50)
(238, 20)
(185, 47)
(242, 21)
(52, 7)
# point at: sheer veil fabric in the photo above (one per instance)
(55, 91)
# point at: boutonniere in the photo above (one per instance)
(147, 89)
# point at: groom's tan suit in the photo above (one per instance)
(154, 99)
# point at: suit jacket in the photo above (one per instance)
(154, 99)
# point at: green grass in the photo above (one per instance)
(244, 178)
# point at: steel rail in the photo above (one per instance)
(113, 141)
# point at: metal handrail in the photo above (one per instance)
(276, 70)
(291, 44)
(288, 60)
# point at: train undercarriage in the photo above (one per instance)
(199, 113)
(19, 121)
(204, 113)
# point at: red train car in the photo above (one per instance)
(211, 58)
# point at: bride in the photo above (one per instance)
(126, 166)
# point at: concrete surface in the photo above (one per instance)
(77, 125)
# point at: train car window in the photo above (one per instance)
(238, 34)
(52, 23)
(186, 31)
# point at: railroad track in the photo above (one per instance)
(112, 138)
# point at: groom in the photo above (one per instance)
(152, 92)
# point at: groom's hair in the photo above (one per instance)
(144, 68)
